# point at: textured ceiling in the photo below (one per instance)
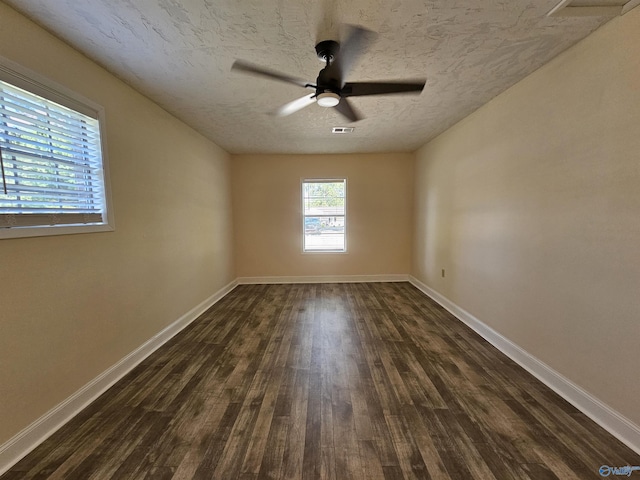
(179, 53)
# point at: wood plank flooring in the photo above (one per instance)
(331, 381)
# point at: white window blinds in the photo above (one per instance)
(50, 162)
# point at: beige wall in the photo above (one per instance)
(532, 205)
(268, 222)
(72, 306)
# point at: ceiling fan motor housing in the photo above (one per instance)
(327, 81)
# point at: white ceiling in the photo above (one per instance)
(179, 53)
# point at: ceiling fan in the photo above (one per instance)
(331, 89)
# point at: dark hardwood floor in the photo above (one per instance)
(331, 381)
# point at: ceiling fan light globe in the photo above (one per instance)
(328, 99)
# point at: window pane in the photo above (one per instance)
(324, 215)
(326, 198)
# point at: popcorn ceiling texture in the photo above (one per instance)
(179, 53)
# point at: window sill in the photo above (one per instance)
(315, 252)
(47, 231)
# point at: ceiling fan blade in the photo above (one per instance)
(347, 110)
(358, 89)
(357, 41)
(298, 104)
(246, 67)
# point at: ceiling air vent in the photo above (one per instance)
(342, 130)
(592, 8)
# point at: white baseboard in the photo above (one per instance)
(619, 426)
(29, 438)
(25, 441)
(324, 279)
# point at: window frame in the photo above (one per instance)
(304, 216)
(39, 85)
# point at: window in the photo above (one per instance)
(324, 215)
(52, 175)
